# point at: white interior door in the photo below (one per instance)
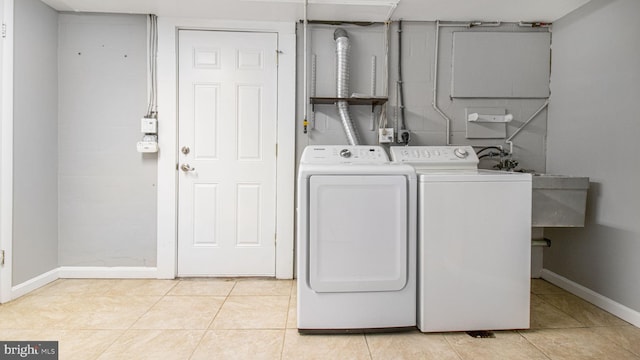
(227, 153)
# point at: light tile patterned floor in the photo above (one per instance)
(256, 319)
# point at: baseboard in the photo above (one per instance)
(99, 272)
(627, 314)
(34, 284)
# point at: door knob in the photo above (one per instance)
(187, 168)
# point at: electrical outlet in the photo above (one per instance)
(385, 135)
(401, 136)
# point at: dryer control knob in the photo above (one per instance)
(345, 153)
(461, 153)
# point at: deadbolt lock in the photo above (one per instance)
(185, 150)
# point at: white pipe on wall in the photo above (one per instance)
(510, 138)
(304, 67)
(434, 101)
(312, 116)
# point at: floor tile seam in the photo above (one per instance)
(250, 328)
(453, 348)
(614, 326)
(614, 340)
(589, 328)
(122, 332)
(286, 322)
(564, 312)
(194, 328)
(246, 295)
(145, 312)
(581, 326)
(626, 350)
(89, 296)
(563, 292)
(175, 283)
(204, 333)
(221, 305)
(366, 342)
(534, 345)
(284, 338)
(196, 295)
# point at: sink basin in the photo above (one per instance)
(558, 201)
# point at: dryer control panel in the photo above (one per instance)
(436, 157)
(343, 154)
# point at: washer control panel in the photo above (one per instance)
(342, 154)
(436, 157)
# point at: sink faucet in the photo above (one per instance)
(507, 164)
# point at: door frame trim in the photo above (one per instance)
(6, 152)
(167, 227)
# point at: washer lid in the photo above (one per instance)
(471, 175)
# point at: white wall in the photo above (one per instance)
(35, 169)
(593, 131)
(426, 125)
(107, 190)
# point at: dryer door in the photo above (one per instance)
(357, 233)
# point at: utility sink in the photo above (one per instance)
(558, 201)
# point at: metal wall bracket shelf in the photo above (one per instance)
(373, 101)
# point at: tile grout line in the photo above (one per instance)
(124, 331)
(452, 347)
(204, 333)
(562, 311)
(366, 342)
(534, 345)
(235, 282)
(565, 293)
(286, 322)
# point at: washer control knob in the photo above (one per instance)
(461, 153)
(345, 153)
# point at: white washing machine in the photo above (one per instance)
(356, 240)
(474, 241)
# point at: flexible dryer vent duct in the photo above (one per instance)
(342, 84)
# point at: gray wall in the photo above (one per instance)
(35, 182)
(426, 125)
(594, 127)
(107, 190)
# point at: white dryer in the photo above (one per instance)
(356, 240)
(474, 241)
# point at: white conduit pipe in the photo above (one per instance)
(434, 102)
(342, 84)
(311, 121)
(304, 68)
(508, 141)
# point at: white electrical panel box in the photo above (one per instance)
(149, 125)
